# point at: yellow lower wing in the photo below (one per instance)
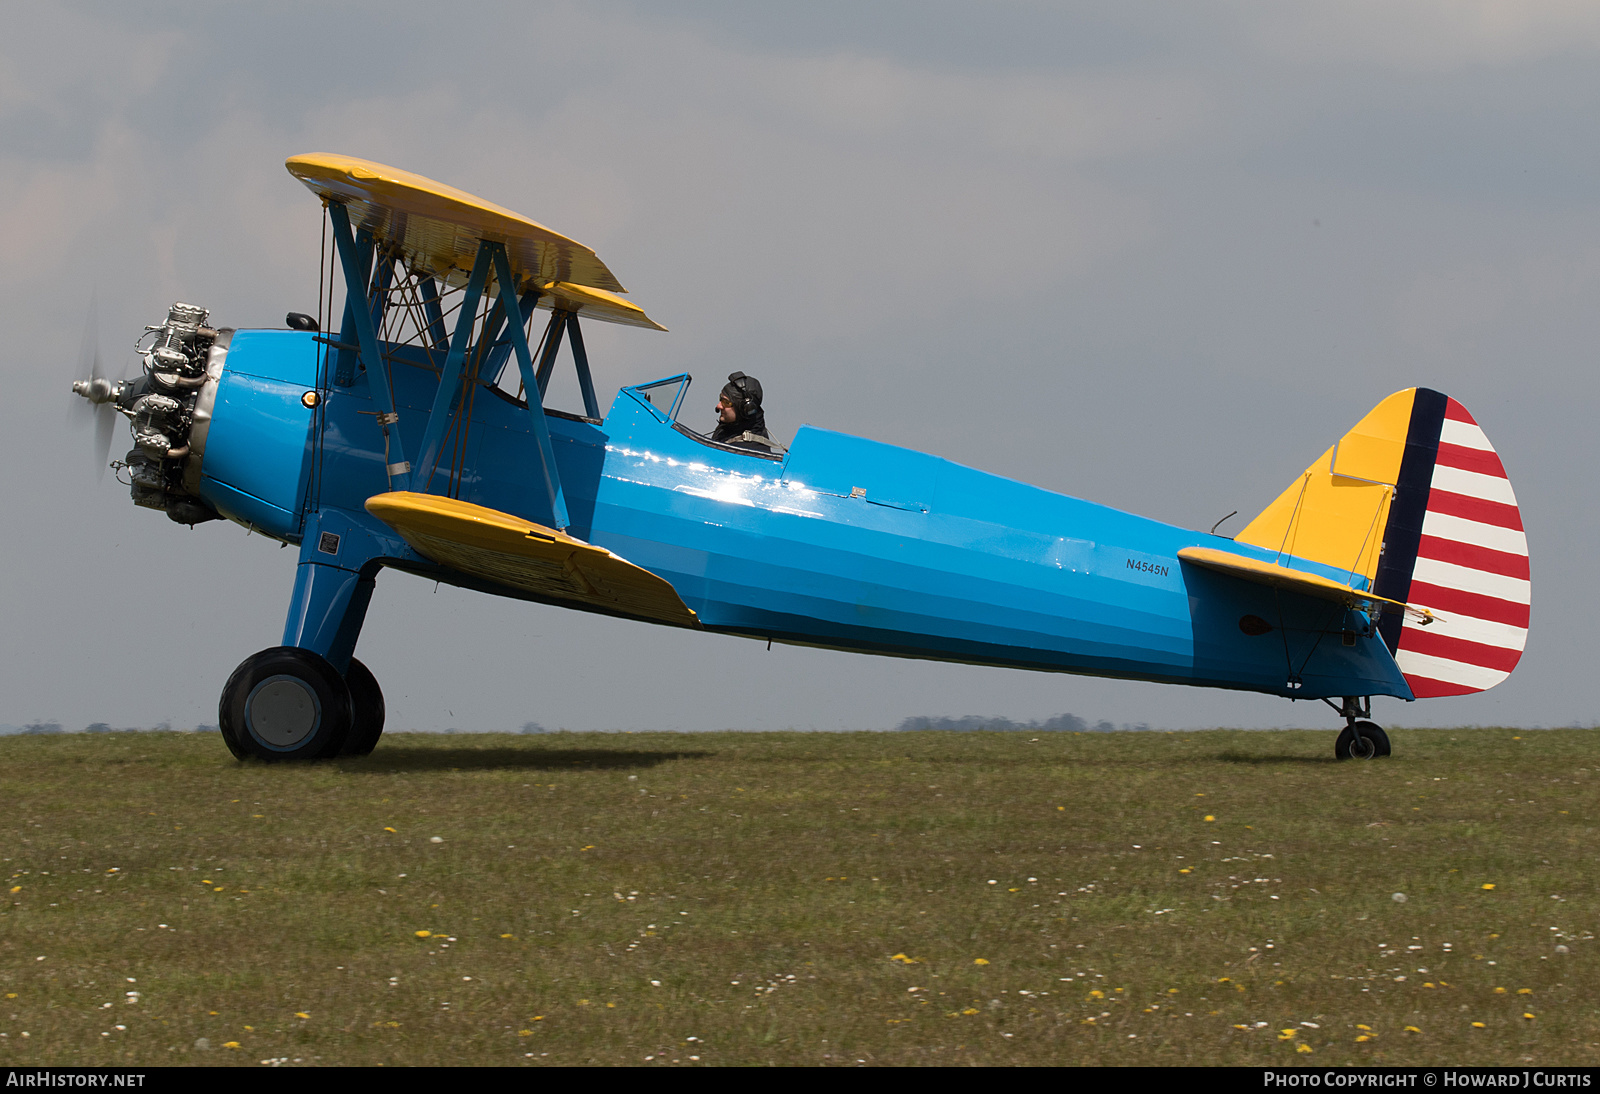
(517, 553)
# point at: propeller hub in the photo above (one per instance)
(97, 390)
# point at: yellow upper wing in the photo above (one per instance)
(436, 229)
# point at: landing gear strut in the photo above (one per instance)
(1360, 739)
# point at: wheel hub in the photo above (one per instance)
(282, 711)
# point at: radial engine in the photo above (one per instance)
(169, 409)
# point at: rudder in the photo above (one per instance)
(1470, 568)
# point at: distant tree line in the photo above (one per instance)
(972, 723)
(42, 727)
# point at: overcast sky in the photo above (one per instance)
(1157, 255)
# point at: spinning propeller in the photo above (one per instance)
(98, 413)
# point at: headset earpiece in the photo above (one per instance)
(749, 403)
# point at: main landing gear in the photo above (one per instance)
(1360, 739)
(309, 699)
(288, 703)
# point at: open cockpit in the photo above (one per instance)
(665, 398)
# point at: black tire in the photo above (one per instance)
(366, 709)
(284, 704)
(1374, 743)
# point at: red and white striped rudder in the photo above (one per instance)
(1471, 570)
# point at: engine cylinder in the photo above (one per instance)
(180, 362)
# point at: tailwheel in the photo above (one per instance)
(285, 704)
(1361, 741)
(366, 708)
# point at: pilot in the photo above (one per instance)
(740, 420)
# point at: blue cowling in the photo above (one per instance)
(257, 457)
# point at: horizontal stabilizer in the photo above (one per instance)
(517, 553)
(1281, 577)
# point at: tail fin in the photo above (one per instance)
(1415, 500)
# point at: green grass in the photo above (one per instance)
(901, 898)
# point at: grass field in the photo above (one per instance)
(941, 898)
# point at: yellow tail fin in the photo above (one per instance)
(1335, 513)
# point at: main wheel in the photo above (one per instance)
(284, 704)
(1374, 742)
(366, 708)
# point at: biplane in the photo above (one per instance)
(413, 435)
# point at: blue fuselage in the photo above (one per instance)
(843, 543)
